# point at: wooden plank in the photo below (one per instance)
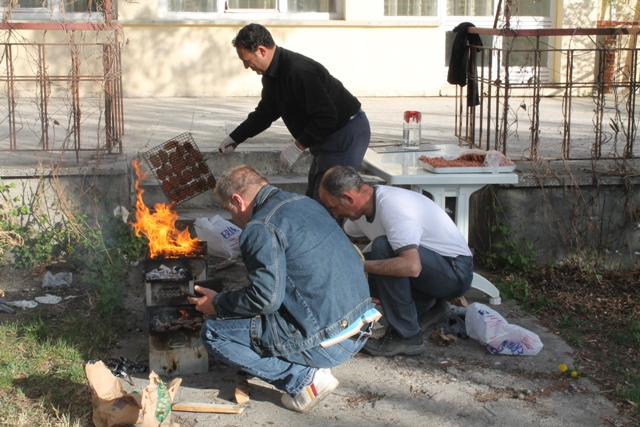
(206, 407)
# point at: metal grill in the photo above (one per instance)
(180, 168)
(399, 149)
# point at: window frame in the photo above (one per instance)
(438, 14)
(280, 13)
(54, 12)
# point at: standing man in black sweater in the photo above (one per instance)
(317, 109)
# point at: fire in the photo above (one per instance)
(165, 240)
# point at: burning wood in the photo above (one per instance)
(165, 240)
(165, 323)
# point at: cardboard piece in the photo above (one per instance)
(112, 406)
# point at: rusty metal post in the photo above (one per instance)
(632, 126)
(502, 143)
(11, 100)
(107, 62)
(566, 104)
(113, 95)
(535, 102)
(600, 87)
(490, 96)
(76, 112)
(43, 97)
(119, 119)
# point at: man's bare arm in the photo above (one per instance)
(406, 264)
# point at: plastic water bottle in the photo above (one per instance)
(411, 129)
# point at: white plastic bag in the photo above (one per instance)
(492, 330)
(58, 280)
(222, 237)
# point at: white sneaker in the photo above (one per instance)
(322, 386)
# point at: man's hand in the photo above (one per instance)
(227, 146)
(289, 156)
(204, 304)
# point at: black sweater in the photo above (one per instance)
(311, 102)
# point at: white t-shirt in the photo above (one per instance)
(409, 220)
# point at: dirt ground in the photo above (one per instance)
(457, 385)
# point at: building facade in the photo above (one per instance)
(375, 47)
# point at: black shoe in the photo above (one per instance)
(392, 344)
(437, 314)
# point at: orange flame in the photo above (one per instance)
(165, 240)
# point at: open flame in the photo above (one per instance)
(165, 240)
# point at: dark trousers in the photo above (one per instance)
(402, 297)
(344, 147)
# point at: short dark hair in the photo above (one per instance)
(340, 179)
(237, 180)
(253, 35)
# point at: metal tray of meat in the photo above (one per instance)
(180, 168)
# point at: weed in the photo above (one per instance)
(514, 287)
(103, 253)
(631, 391)
(628, 334)
(511, 252)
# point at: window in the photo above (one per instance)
(524, 14)
(86, 10)
(277, 8)
(469, 7)
(411, 7)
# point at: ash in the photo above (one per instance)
(163, 273)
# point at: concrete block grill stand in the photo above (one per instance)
(174, 324)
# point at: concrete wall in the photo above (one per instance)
(69, 190)
(566, 215)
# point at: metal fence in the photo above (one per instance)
(72, 102)
(537, 100)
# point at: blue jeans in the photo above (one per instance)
(229, 341)
(402, 297)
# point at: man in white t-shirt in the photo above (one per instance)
(418, 259)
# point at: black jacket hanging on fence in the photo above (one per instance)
(462, 64)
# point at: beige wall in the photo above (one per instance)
(576, 14)
(174, 60)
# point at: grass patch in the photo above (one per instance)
(42, 381)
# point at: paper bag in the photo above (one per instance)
(157, 399)
(112, 406)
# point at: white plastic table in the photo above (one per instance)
(404, 169)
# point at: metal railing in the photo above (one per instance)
(79, 108)
(530, 110)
